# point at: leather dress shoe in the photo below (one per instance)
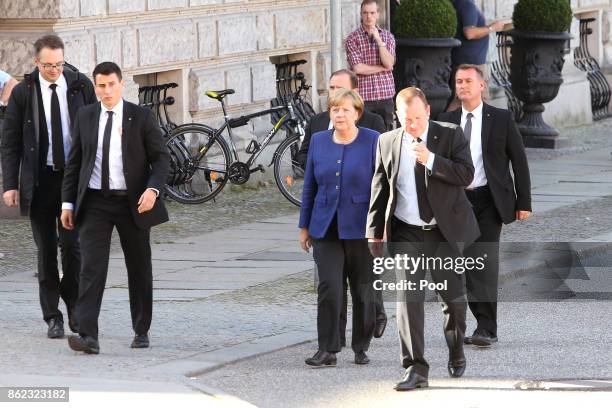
(482, 338)
(456, 368)
(85, 344)
(381, 324)
(322, 359)
(72, 320)
(411, 381)
(361, 358)
(140, 341)
(56, 328)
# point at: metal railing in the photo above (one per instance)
(500, 72)
(600, 88)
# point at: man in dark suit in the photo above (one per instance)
(347, 79)
(116, 170)
(35, 144)
(496, 197)
(418, 201)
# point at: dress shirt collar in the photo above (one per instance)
(423, 137)
(118, 109)
(61, 82)
(477, 112)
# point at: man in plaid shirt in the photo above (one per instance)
(371, 55)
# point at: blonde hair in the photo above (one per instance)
(342, 95)
(407, 95)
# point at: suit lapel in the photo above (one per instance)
(125, 129)
(457, 116)
(487, 126)
(432, 137)
(95, 125)
(396, 152)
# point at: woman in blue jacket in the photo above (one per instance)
(335, 201)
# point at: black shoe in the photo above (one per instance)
(72, 320)
(411, 381)
(483, 338)
(140, 341)
(56, 328)
(456, 368)
(85, 344)
(381, 324)
(322, 359)
(361, 358)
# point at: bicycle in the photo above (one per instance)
(202, 161)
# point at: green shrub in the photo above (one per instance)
(425, 19)
(542, 15)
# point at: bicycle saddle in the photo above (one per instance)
(218, 95)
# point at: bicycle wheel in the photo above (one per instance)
(198, 164)
(288, 173)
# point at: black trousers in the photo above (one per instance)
(99, 216)
(335, 257)
(378, 302)
(481, 285)
(410, 306)
(384, 108)
(48, 233)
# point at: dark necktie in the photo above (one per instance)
(105, 152)
(467, 129)
(425, 211)
(57, 137)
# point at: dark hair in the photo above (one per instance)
(366, 2)
(48, 41)
(476, 68)
(351, 74)
(106, 68)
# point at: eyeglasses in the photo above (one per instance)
(48, 67)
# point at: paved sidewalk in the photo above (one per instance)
(242, 291)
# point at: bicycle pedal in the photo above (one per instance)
(253, 147)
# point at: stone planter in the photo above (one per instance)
(535, 73)
(426, 64)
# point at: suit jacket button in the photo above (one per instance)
(337, 174)
(337, 187)
(339, 161)
(31, 149)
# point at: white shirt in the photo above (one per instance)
(61, 90)
(115, 154)
(407, 206)
(480, 178)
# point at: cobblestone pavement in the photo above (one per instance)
(192, 318)
(235, 205)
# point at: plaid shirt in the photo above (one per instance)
(360, 49)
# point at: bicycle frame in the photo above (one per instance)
(218, 133)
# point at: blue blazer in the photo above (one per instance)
(337, 181)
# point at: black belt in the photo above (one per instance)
(419, 227)
(112, 193)
(478, 189)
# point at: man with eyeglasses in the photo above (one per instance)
(34, 151)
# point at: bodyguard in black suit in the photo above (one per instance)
(34, 148)
(496, 196)
(346, 79)
(418, 203)
(116, 170)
